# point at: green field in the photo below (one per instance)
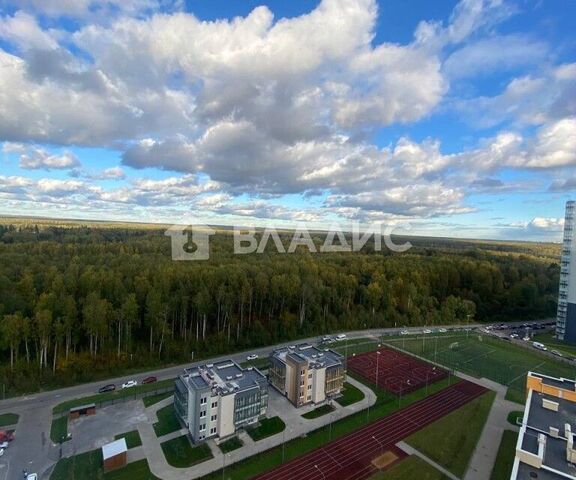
(59, 429)
(132, 438)
(410, 468)
(318, 412)
(154, 399)
(89, 466)
(231, 444)
(505, 458)
(167, 421)
(485, 356)
(8, 419)
(555, 344)
(180, 453)
(267, 428)
(451, 440)
(350, 395)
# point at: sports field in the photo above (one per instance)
(484, 356)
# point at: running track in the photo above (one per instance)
(350, 457)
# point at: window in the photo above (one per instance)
(214, 404)
(203, 400)
(202, 427)
(212, 430)
(309, 397)
(309, 375)
(213, 418)
(202, 414)
(301, 383)
(302, 372)
(309, 387)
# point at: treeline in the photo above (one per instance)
(81, 303)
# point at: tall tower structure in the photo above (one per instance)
(566, 317)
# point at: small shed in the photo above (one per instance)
(114, 454)
(88, 409)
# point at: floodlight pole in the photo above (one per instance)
(321, 472)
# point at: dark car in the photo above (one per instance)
(107, 388)
(149, 380)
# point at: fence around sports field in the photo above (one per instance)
(482, 355)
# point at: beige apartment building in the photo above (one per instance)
(306, 374)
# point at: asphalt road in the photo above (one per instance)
(32, 448)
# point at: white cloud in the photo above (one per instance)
(38, 158)
(23, 30)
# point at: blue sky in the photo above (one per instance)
(457, 117)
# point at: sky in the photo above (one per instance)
(451, 118)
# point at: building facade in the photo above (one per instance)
(215, 400)
(306, 374)
(566, 317)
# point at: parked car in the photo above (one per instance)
(32, 476)
(129, 384)
(1, 452)
(442, 330)
(404, 332)
(539, 346)
(513, 335)
(556, 352)
(342, 336)
(4, 445)
(107, 388)
(252, 357)
(426, 330)
(326, 339)
(149, 380)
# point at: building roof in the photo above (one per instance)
(223, 377)
(304, 352)
(544, 433)
(115, 448)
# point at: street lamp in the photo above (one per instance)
(321, 472)
(378, 353)
(379, 442)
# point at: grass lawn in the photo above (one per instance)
(7, 419)
(350, 395)
(513, 416)
(154, 399)
(485, 356)
(451, 440)
(385, 405)
(318, 412)
(89, 466)
(267, 427)
(231, 444)
(259, 363)
(167, 421)
(59, 429)
(133, 471)
(409, 469)
(133, 392)
(180, 453)
(132, 438)
(505, 458)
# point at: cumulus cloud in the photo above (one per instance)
(38, 158)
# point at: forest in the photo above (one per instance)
(80, 301)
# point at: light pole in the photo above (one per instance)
(223, 465)
(467, 325)
(379, 442)
(321, 472)
(378, 353)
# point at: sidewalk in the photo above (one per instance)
(160, 467)
(412, 451)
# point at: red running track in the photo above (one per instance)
(350, 457)
(398, 372)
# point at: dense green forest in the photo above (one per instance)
(79, 302)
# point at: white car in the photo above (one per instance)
(1, 452)
(252, 357)
(130, 384)
(4, 445)
(404, 332)
(442, 330)
(556, 352)
(341, 337)
(514, 335)
(32, 476)
(426, 331)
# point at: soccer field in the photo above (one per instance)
(484, 356)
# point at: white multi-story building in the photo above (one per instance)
(215, 400)
(306, 374)
(566, 317)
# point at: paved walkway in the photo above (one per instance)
(412, 451)
(484, 457)
(160, 467)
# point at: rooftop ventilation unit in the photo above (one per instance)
(238, 375)
(229, 377)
